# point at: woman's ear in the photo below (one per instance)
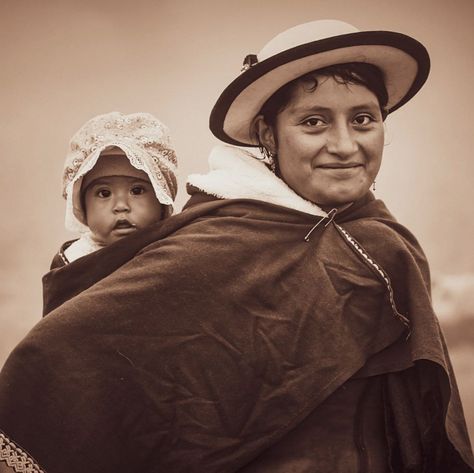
(265, 133)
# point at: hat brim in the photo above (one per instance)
(404, 62)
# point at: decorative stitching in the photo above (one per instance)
(16, 458)
(359, 250)
(63, 258)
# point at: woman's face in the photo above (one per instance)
(329, 141)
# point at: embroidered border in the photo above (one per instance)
(378, 270)
(16, 458)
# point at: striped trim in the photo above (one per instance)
(63, 257)
(360, 251)
(16, 458)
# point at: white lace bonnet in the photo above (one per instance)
(144, 140)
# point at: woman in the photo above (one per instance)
(282, 322)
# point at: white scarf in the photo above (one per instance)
(237, 173)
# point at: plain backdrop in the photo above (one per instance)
(64, 61)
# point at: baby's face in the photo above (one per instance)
(117, 206)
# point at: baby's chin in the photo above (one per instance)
(110, 239)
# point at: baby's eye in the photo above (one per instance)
(103, 193)
(137, 190)
(363, 120)
(313, 122)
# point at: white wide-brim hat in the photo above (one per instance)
(403, 61)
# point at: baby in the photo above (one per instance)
(119, 177)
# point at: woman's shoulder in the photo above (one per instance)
(385, 239)
(370, 218)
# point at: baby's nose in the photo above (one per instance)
(121, 205)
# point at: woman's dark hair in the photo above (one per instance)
(359, 73)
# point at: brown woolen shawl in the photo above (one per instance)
(198, 351)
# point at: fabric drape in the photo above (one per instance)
(203, 342)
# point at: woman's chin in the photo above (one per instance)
(340, 199)
(339, 207)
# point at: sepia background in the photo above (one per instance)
(64, 61)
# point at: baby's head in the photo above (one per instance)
(117, 198)
(119, 176)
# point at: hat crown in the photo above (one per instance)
(303, 34)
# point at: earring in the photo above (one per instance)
(373, 185)
(271, 157)
(268, 157)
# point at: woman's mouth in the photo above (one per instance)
(341, 171)
(339, 165)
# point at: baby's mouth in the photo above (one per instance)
(123, 224)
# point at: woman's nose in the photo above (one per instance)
(341, 141)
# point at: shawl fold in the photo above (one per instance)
(202, 342)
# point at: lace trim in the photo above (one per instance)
(360, 251)
(158, 165)
(151, 163)
(16, 458)
(145, 141)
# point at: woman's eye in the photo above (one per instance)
(313, 122)
(363, 120)
(137, 190)
(104, 193)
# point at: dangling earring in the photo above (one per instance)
(268, 156)
(373, 185)
(271, 157)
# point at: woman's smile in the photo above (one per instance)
(339, 171)
(339, 166)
